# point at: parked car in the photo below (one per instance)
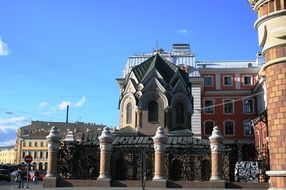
(5, 175)
(14, 175)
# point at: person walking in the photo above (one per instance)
(36, 177)
(21, 175)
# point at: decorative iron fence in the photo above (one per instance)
(188, 159)
(132, 158)
(78, 161)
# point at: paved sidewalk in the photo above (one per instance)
(14, 186)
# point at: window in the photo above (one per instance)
(42, 144)
(23, 154)
(228, 106)
(153, 112)
(248, 106)
(229, 128)
(247, 80)
(30, 144)
(41, 154)
(227, 80)
(35, 154)
(247, 127)
(208, 80)
(24, 144)
(209, 106)
(179, 113)
(36, 144)
(129, 113)
(209, 125)
(46, 154)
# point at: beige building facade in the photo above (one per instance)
(7, 155)
(31, 140)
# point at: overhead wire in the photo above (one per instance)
(232, 101)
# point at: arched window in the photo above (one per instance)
(129, 113)
(153, 112)
(179, 113)
(209, 125)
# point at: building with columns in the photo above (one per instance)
(271, 29)
(7, 155)
(31, 139)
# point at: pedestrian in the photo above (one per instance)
(21, 175)
(36, 177)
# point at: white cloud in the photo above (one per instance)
(3, 48)
(43, 104)
(80, 102)
(63, 105)
(8, 142)
(182, 32)
(12, 123)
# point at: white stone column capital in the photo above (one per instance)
(160, 136)
(106, 137)
(53, 139)
(216, 137)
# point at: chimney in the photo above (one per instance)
(67, 117)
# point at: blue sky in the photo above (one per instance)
(54, 53)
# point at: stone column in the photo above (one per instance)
(139, 118)
(216, 141)
(105, 141)
(53, 147)
(271, 29)
(168, 117)
(160, 141)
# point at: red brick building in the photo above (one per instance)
(228, 100)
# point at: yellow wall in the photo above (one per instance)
(7, 156)
(38, 149)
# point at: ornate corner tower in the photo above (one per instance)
(271, 27)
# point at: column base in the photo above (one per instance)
(50, 182)
(158, 183)
(217, 184)
(277, 179)
(217, 178)
(103, 183)
(104, 176)
(159, 178)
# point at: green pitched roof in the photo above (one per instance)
(164, 67)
